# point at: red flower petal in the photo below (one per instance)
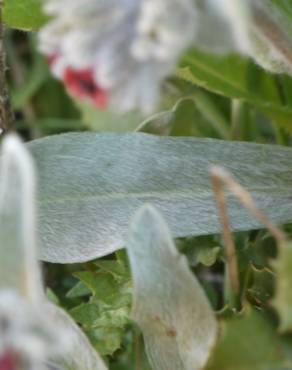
(9, 361)
(81, 84)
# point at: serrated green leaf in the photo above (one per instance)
(249, 342)
(106, 340)
(177, 322)
(202, 250)
(79, 290)
(92, 184)
(113, 318)
(262, 287)
(116, 268)
(85, 314)
(24, 15)
(101, 285)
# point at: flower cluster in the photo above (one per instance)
(116, 52)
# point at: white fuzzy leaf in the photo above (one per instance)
(19, 268)
(79, 354)
(90, 186)
(176, 319)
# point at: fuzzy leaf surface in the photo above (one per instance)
(176, 319)
(90, 185)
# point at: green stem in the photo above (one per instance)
(210, 111)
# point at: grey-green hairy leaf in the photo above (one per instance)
(79, 355)
(176, 319)
(90, 185)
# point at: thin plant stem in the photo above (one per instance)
(236, 110)
(230, 251)
(223, 177)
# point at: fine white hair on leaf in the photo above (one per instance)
(36, 330)
(171, 308)
(80, 355)
(18, 263)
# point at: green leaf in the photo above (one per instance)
(85, 314)
(201, 249)
(25, 15)
(249, 342)
(106, 340)
(92, 184)
(231, 76)
(283, 298)
(108, 309)
(176, 319)
(186, 117)
(101, 285)
(262, 287)
(79, 290)
(236, 77)
(116, 268)
(36, 77)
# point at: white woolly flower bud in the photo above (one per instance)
(26, 338)
(34, 334)
(116, 52)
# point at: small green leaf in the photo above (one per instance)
(283, 298)
(116, 268)
(176, 319)
(262, 287)
(106, 340)
(24, 15)
(85, 314)
(249, 342)
(101, 285)
(108, 309)
(202, 249)
(79, 290)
